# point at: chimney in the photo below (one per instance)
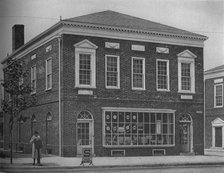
(17, 36)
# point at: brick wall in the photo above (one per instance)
(211, 113)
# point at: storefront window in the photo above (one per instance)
(138, 128)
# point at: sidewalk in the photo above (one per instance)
(149, 161)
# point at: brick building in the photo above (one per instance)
(116, 83)
(214, 109)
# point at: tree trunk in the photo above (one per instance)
(10, 136)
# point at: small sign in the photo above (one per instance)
(87, 156)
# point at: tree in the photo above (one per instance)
(19, 98)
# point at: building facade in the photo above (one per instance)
(214, 109)
(117, 84)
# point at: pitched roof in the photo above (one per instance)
(215, 69)
(115, 19)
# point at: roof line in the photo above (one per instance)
(32, 41)
(102, 26)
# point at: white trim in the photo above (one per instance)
(138, 47)
(143, 71)
(186, 57)
(216, 85)
(142, 36)
(46, 68)
(218, 122)
(213, 75)
(168, 75)
(59, 98)
(118, 72)
(80, 49)
(33, 56)
(138, 109)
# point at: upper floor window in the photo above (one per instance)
(112, 71)
(218, 90)
(48, 73)
(162, 75)
(186, 72)
(33, 79)
(138, 73)
(85, 62)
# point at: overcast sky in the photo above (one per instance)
(199, 16)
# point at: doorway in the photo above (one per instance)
(186, 133)
(218, 136)
(85, 132)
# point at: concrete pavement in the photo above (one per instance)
(109, 162)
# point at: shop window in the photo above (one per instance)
(127, 128)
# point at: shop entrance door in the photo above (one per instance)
(85, 132)
(185, 138)
(218, 136)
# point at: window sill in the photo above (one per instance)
(218, 106)
(138, 89)
(112, 87)
(163, 90)
(85, 86)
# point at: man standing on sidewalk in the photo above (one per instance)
(36, 147)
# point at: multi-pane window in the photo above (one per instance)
(218, 95)
(33, 79)
(83, 133)
(162, 74)
(112, 71)
(138, 73)
(84, 69)
(49, 73)
(142, 128)
(186, 76)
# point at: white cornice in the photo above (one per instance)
(72, 28)
(213, 75)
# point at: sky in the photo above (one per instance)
(204, 17)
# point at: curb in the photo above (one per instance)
(163, 165)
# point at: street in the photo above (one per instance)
(171, 169)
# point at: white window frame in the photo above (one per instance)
(46, 74)
(138, 88)
(215, 106)
(122, 109)
(118, 72)
(85, 47)
(192, 74)
(168, 75)
(34, 78)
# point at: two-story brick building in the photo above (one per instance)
(115, 83)
(214, 109)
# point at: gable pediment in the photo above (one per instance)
(187, 54)
(218, 121)
(85, 44)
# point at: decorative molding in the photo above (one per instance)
(85, 44)
(187, 54)
(162, 50)
(33, 56)
(217, 122)
(186, 97)
(137, 47)
(213, 75)
(85, 92)
(220, 80)
(112, 45)
(49, 48)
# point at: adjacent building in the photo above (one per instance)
(214, 109)
(115, 83)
